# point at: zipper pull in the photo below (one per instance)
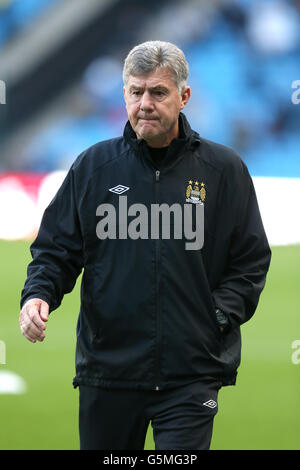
(157, 173)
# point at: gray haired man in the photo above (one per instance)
(158, 332)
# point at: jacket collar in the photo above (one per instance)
(187, 138)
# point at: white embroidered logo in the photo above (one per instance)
(119, 189)
(210, 404)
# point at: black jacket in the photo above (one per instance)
(147, 318)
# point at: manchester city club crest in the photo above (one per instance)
(195, 192)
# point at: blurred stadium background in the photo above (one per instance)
(60, 92)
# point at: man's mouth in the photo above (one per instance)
(147, 119)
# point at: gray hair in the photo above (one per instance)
(148, 56)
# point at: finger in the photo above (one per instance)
(34, 332)
(28, 315)
(27, 335)
(30, 338)
(29, 324)
(44, 311)
(34, 315)
(31, 332)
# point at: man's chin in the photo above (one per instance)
(152, 140)
(147, 134)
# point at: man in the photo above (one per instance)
(158, 332)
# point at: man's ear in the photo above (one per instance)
(185, 96)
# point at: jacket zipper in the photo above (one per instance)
(157, 262)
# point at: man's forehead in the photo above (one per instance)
(160, 77)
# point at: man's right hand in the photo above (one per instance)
(34, 314)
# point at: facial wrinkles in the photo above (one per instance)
(153, 105)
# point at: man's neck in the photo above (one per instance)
(157, 154)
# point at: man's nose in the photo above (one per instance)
(146, 103)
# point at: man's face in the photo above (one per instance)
(153, 104)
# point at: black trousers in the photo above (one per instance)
(118, 419)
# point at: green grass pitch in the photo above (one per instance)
(261, 412)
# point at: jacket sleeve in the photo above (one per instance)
(248, 256)
(57, 254)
